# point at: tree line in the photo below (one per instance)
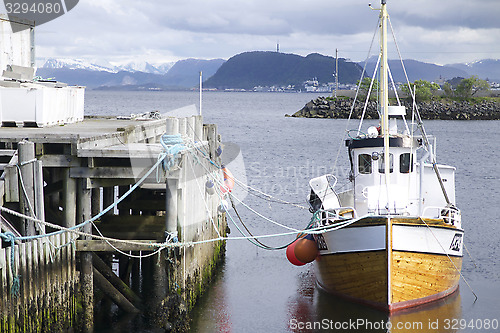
(425, 90)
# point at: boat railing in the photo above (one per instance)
(330, 216)
(450, 215)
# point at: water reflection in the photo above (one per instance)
(313, 310)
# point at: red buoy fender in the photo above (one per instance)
(290, 254)
(306, 249)
(228, 181)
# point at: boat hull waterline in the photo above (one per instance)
(417, 262)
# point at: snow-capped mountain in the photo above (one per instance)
(145, 67)
(75, 64)
(132, 66)
(182, 74)
(484, 69)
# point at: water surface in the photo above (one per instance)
(258, 290)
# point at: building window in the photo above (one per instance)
(365, 164)
(405, 163)
(381, 164)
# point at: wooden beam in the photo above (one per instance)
(121, 286)
(109, 182)
(59, 161)
(102, 172)
(102, 246)
(112, 293)
(11, 184)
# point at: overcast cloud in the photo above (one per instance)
(444, 31)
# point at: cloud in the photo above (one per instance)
(176, 29)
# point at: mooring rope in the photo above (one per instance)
(445, 252)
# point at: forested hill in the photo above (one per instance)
(251, 69)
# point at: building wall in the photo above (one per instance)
(16, 48)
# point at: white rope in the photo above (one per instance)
(248, 207)
(368, 94)
(355, 97)
(267, 195)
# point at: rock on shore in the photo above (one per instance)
(340, 108)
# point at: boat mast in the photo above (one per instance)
(336, 71)
(384, 87)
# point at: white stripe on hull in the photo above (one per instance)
(427, 239)
(410, 238)
(358, 239)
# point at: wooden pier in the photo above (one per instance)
(66, 175)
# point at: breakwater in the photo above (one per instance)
(340, 108)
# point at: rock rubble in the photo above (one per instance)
(322, 107)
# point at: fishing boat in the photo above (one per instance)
(393, 240)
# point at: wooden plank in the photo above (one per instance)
(418, 275)
(130, 150)
(2, 191)
(19, 272)
(60, 161)
(359, 275)
(3, 291)
(11, 184)
(10, 300)
(101, 246)
(103, 172)
(7, 152)
(134, 222)
(109, 182)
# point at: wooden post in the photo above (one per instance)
(96, 201)
(182, 126)
(198, 128)
(171, 205)
(191, 128)
(87, 272)
(69, 199)
(39, 202)
(26, 184)
(172, 126)
(121, 191)
(108, 197)
(160, 283)
(212, 139)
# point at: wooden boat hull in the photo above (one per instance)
(413, 264)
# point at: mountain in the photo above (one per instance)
(184, 74)
(417, 70)
(250, 69)
(75, 64)
(484, 69)
(145, 67)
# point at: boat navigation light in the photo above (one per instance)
(372, 132)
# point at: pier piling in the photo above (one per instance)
(69, 174)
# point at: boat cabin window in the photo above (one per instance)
(365, 164)
(381, 164)
(405, 163)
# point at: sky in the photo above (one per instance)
(120, 31)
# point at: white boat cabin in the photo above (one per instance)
(412, 188)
